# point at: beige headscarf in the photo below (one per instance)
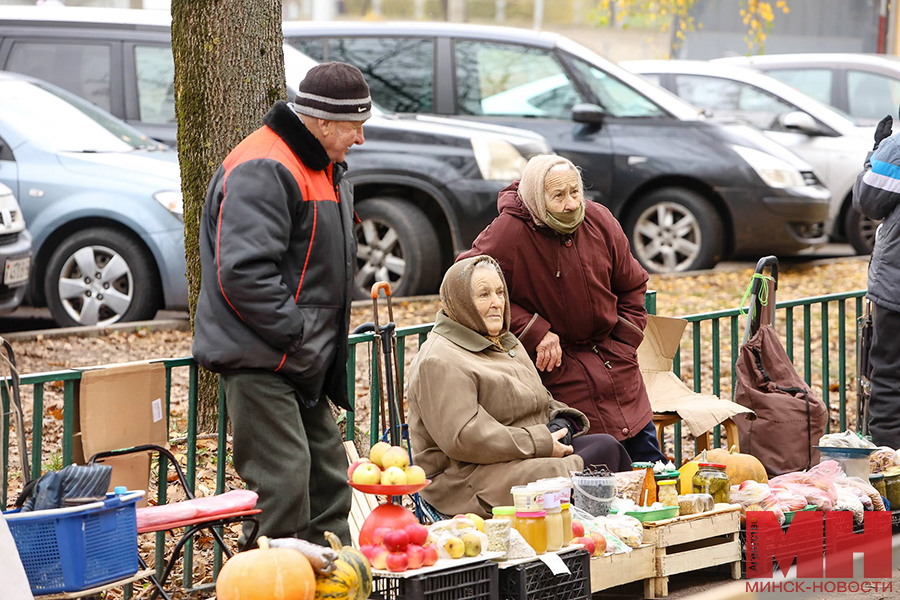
(533, 196)
(458, 297)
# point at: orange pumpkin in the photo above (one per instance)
(267, 574)
(740, 467)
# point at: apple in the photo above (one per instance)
(379, 533)
(431, 555)
(455, 547)
(577, 529)
(353, 466)
(395, 457)
(588, 544)
(379, 557)
(396, 541)
(418, 534)
(599, 543)
(416, 555)
(414, 474)
(366, 474)
(367, 550)
(377, 451)
(393, 476)
(477, 521)
(397, 562)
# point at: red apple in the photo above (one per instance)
(397, 562)
(379, 557)
(416, 555)
(588, 544)
(431, 555)
(378, 534)
(367, 550)
(353, 466)
(418, 534)
(577, 529)
(599, 543)
(396, 541)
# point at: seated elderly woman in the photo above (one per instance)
(480, 420)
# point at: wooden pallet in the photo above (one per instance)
(362, 504)
(691, 543)
(618, 569)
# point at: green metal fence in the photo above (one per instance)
(706, 330)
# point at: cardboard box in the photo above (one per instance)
(668, 394)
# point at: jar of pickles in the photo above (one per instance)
(876, 480)
(668, 495)
(892, 486)
(648, 489)
(712, 479)
(505, 512)
(533, 527)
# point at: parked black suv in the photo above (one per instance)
(686, 191)
(424, 187)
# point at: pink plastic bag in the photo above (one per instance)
(755, 496)
(788, 500)
(816, 485)
(199, 508)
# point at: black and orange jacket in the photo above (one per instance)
(277, 249)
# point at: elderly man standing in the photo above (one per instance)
(277, 249)
(576, 299)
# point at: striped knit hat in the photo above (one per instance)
(335, 91)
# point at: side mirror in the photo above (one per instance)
(589, 114)
(801, 122)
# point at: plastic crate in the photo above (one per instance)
(477, 581)
(534, 580)
(76, 548)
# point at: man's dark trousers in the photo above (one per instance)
(884, 405)
(292, 456)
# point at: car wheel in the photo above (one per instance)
(100, 276)
(860, 231)
(673, 230)
(395, 243)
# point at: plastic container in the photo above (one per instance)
(654, 515)
(505, 512)
(497, 532)
(567, 523)
(712, 479)
(668, 492)
(853, 461)
(594, 493)
(533, 527)
(648, 490)
(692, 504)
(527, 498)
(533, 580)
(479, 581)
(77, 548)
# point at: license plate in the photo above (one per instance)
(16, 270)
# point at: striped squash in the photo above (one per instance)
(352, 577)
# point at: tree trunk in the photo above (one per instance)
(229, 71)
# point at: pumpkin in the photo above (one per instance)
(686, 473)
(740, 467)
(267, 574)
(351, 578)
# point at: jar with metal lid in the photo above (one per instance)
(892, 486)
(668, 476)
(668, 495)
(712, 479)
(505, 512)
(533, 527)
(648, 489)
(567, 523)
(876, 480)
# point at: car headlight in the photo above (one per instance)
(172, 201)
(772, 170)
(497, 159)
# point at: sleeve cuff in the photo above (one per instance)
(534, 333)
(577, 418)
(543, 441)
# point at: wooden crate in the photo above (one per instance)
(619, 569)
(691, 543)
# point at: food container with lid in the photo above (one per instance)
(533, 527)
(594, 492)
(853, 461)
(648, 489)
(527, 498)
(712, 479)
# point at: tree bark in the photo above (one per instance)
(229, 71)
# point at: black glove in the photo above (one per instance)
(562, 423)
(883, 130)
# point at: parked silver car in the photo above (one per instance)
(15, 249)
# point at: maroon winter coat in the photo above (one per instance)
(586, 288)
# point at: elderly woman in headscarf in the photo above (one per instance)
(576, 299)
(480, 421)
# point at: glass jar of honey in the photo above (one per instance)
(567, 523)
(505, 512)
(533, 527)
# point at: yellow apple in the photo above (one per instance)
(377, 452)
(366, 473)
(455, 547)
(395, 457)
(478, 521)
(472, 543)
(392, 476)
(415, 474)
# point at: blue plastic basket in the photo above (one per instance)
(77, 548)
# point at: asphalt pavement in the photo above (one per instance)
(27, 318)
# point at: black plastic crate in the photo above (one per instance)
(479, 581)
(534, 580)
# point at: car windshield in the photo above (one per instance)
(62, 122)
(296, 65)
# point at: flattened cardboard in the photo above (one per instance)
(123, 406)
(668, 394)
(132, 471)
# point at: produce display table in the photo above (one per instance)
(618, 569)
(691, 543)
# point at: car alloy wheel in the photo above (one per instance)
(96, 286)
(667, 236)
(379, 255)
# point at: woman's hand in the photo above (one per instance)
(559, 449)
(549, 353)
